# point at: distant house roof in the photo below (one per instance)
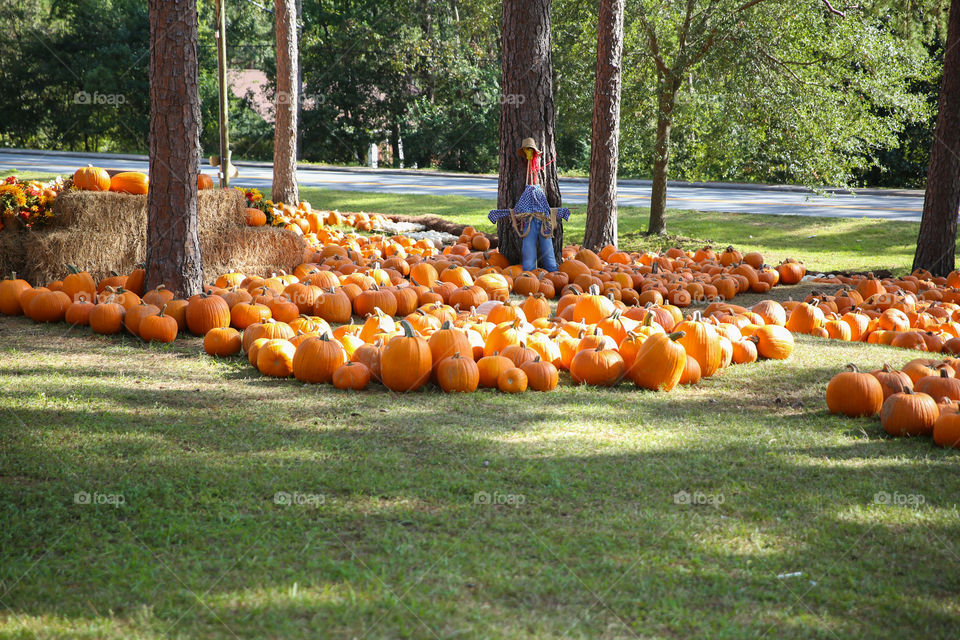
(254, 85)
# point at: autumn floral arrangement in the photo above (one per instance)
(30, 203)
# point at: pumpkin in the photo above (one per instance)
(275, 358)
(744, 352)
(512, 380)
(701, 341)
(136, 314)
(941, 385)
(158, 327)
(107, 318)
(691, 371)
(48, 306)
(244, 314)
(204, 181)
(598, 367)
(946, 430)
(909, 414)
(448, 340)
(79, 283)
(10, 291)
(854, 394)
(136, 281)
(158, 296)
(317, 358)
(490, 367)
(659, 362)
(91, 178)
(773, 342)
(592, 307)
(519, 353)
(351, 375)
(129, 182)
(255, 217)
(541, 375)
(270, 329)
(369, 355)
(406, 362)
(375, 298)
(892, 381)
(206, 312)
(222, 341)
(78, 313)
(334, 305)
(457, 373)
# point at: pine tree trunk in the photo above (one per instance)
(173, 242)
(661, 158)
(527, 110)
(288, 94)
(936, 244)
(601, 224)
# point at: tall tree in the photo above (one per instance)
(937, 242)
(780, 75)
(601, 224)
(173, 242)
(288, 95)
(527, 110)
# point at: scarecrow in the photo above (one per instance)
(534, 221)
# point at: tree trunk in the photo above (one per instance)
(601, 224)
(173, 242)
(288, 94)
(936, 244)
(667, 93)
(527, 110)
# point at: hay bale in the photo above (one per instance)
(106, 211)
(106, 231)
(48, 253)
(259, 251)
(12, 255)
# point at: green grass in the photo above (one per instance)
(823, 243)
(399, 547)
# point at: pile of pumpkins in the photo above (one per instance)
(918, 312)
(921, 399)
(458, 333)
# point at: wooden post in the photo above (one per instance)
(225, 160)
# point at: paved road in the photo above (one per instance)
(706, 197)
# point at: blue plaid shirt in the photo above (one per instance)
(533, 199)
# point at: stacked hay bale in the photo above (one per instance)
(105, 231)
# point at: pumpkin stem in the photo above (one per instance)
(676, 335)
(407, 329)
(852, 367)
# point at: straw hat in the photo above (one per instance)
(528, 143)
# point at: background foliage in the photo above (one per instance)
(427, 73)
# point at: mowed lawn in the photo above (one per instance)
(155, 492)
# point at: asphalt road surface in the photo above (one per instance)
(702, 197)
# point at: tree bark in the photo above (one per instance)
(288, 95)
(527, 110)
(666, 98)
(601, 224)
(173, 242)
(936, 243)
